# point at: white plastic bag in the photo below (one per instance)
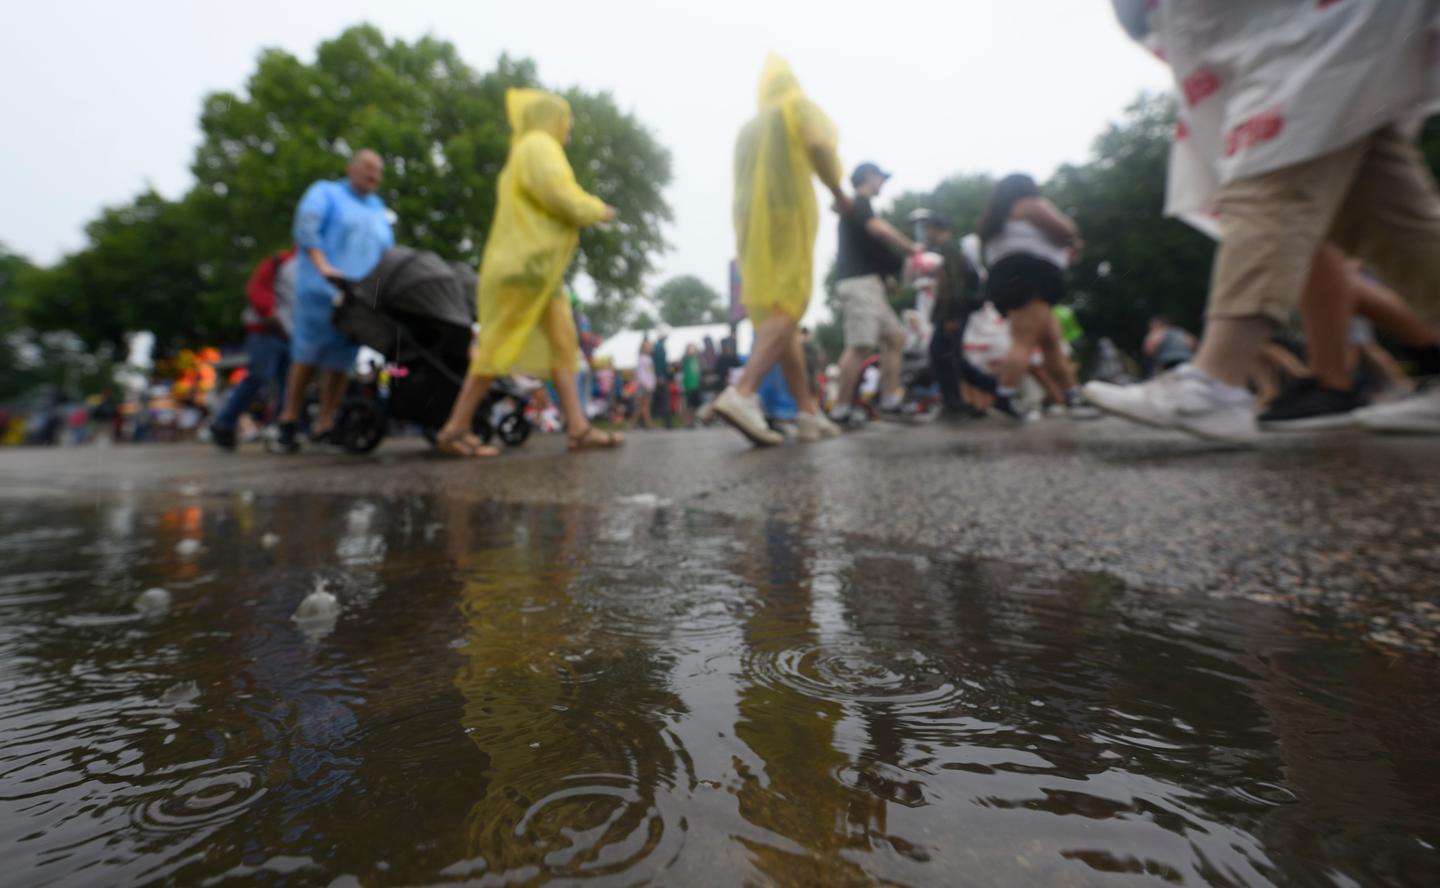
(1267, 84)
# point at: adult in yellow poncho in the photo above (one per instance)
(776, 216)
(525, 319)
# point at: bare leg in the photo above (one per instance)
(792, 364)
(1266, 379)
(894, 347)
(645, 398)
(332, 391)
(771, 340)
(1230, 347)
(567, 392)
(1027, 326)
(975, 397)
(1325, 309)
(851, 360)
(1390, 313)
(1382, 360)
(462, 413)
(295, 386)
(1059, 369)
(1053, 390)
(558, 325)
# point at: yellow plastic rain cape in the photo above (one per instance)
(776, 215)
(525, 323)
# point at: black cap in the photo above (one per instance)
(865, 170)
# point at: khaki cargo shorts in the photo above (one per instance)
(868, 315)
(1376, 200)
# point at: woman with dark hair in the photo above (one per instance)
(1027, 244)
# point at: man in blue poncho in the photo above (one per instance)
(341, 230)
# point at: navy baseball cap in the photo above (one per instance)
(866, 170)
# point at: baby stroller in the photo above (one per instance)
(419, 312)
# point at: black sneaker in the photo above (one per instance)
(1308, 406)
(223, 438)
(287, 440)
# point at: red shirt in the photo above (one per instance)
(260, 291)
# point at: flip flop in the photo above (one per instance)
(594, 439)
(464, 446)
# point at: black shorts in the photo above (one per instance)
(1020, 279)
(692, 399)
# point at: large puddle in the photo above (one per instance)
(514, 695)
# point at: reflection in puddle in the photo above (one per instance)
(521, 694)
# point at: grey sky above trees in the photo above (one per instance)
(109, 107)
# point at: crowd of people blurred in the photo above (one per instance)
(1313, 233)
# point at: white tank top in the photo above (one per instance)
(1023, 237)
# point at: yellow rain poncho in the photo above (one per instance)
(525, 321)
(776, 214)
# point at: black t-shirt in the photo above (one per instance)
(862, 253)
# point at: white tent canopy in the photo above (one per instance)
(623, 349)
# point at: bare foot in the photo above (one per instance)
(591, 438)
(463, 445)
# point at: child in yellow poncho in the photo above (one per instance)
(525, 319)
(776, 217)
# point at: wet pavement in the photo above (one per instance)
(921, 656)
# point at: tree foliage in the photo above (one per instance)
(960, 198)
(29, 360)
(178, 268)
(687, 300)
(1136, 263)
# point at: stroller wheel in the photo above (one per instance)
(483, 430)
(360, 427)
(514, 429)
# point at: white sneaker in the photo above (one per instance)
(1416, 414)
(814, 427)
(850, 418)
(1182, 399)
(745, 416)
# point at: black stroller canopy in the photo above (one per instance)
(419, 283)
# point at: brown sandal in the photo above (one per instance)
(464, 446)
(592, 438)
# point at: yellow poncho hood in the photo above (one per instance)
(539, 210)
(775, 212)
(534, 110)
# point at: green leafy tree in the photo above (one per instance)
(618, 158)
(179, 268)
(29, 360)
(13, 268)
(687, 300)
(1136, 263)
(442, 129)
(959, 198)
(146, 265)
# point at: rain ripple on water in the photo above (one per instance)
(514, 695)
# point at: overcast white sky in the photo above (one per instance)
(102, 97)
